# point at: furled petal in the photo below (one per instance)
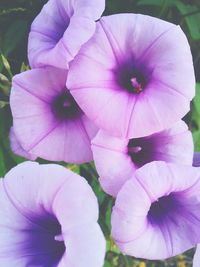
(112, 161)
(17, 148)
(138, 80)
(157, 212)
(41, 129)
(54, 212)
(84, 240)
(117, 159)
(60, 29)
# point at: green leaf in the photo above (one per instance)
(107, 264)
(196, 137)
(150, 2)
(2, 163)
(157, 3)
(5, 85)
(24, 67)
(192, 21)
(196, 109)
(13, 36)
(196, 100)
(5, 64)
(3, 104)
(73, 167)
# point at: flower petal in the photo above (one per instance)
(196, 259)
(101, 92)
(56, 41)
(17, 148)
(115, 164)
(39, 130)
(88, 243)
(170, 224)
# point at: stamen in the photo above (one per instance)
(137, 87)
(59, 238)
(66, 104)
(135, 149)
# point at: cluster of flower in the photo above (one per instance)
(114, 91)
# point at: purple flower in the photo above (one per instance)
(48, 218)
(135, 76)
(46, 119)
(196, 260)
(196, 159)
(60, 29)
(157, 212)
(17, 148)
(117, 159)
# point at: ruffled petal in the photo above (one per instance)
(68, 25)
(86, 241)
(170, 224)
(67, 204)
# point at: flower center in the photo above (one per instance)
(44, 241)
(59, 238)
(137, 86)
(65, 107)
(141, 151)
(132, 79)
(161, 209)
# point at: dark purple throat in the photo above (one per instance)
(142, 150)
(65, 107)
(131, 78)
(44, 245)
(164, 208)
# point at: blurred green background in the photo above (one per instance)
(15, 19)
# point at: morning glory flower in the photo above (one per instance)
(48, 218)
(47, 121)
(117, 159)
(60, 29)
(157, 212)
(135, 76)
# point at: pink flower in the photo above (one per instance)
(48, 218)
(117, 159)
(47, 121)
(60, 29)
(157, 212)
(135, 76)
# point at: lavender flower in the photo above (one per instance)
(60, 29)
(47, 121)
(135, 76)
(48, 218)
(117, 159)
(157, 212)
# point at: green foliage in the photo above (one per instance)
(15, 20)
(15, 33)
